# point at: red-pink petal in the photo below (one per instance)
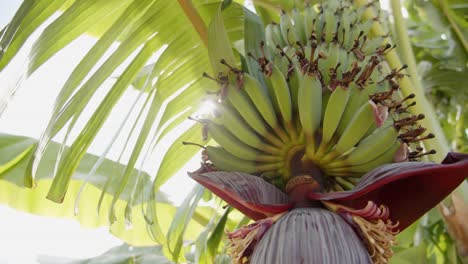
(401, 154)
(380, 113)
(409, 189)
(249, 194)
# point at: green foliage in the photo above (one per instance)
(438, 31)
(413, 255)
(79, 204)
(426, 241)
(124, 254)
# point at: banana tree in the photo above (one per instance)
(315, 130)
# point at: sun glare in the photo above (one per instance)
(208, 107)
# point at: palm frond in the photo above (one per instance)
(162, 56)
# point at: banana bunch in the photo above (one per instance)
(326, 101)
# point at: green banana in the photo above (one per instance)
(371, 129)
(309, 20)
(277, 129)
(343, 34)
(310, 109)
(330, 26)
(372, 44)
(298, 19)
(294, 82)
(225, 161)
(269, 35)
(234, 146)
(372, 146)
(343, 57)
(363, 27)
(259, 95)
(357, 98)
(282, 96)
(241, 102)
(273, 35)
(263, 103)
(280, 61)
(385, 158)
(358, 14)
(333, 54)
(356, 128)
(319, 26)
(344, 62)
(344, 183)
(353, 133)
(278, 36)
(333, 113)
(233, 122)
(287, 29)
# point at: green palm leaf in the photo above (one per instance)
(123, 254)
(27, 19)
(76, 20)
(15, 152)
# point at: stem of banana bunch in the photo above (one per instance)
(440, 141)
(196, 20)
(413, 85)
(404, 44)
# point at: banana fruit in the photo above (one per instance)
(231, 120)
(287, 29)
(223, 160)
(384, 158)
(376, 143)
(310, 108)
(283, 98)
(333, 113)
(235, 146)
(245, 107)
(325, 104)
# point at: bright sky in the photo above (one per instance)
(25, 237)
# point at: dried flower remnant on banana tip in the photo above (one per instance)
(323, 126)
